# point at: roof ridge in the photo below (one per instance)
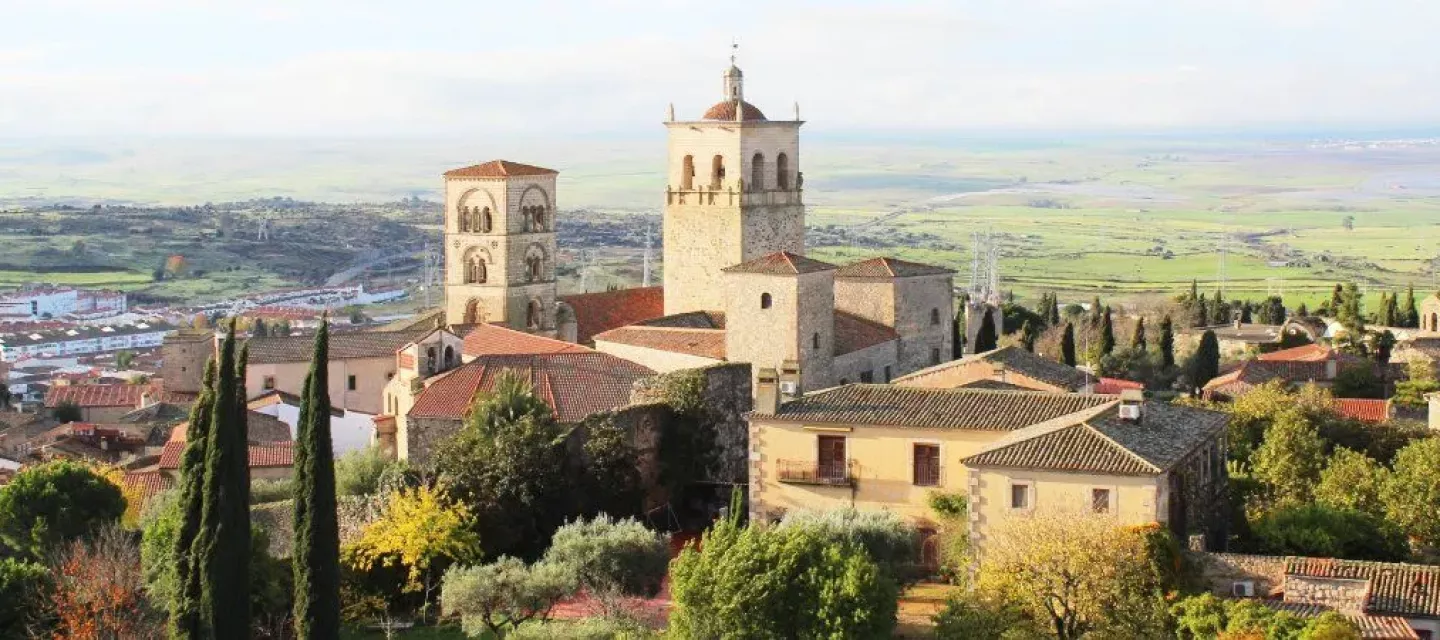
(1115, 443)
(1044, 428)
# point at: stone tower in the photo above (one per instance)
(500, 246)
(780, 314)
(733, 195)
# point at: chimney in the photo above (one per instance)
(767, 391)
(789, 380)
(1332, 368)
(1132, 403)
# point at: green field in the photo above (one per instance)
(1123, 217)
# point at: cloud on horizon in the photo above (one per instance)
(88, 67)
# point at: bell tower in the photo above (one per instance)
(733, 194)
(500, 246)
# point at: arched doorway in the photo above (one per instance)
(474, 313)
(449, 357)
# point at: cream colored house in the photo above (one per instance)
(361, 364)
(1004, 368)
(890, 447)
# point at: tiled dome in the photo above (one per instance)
(726, 111)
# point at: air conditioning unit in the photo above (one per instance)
(1129, 412)
(1243, 589)
(788, 387)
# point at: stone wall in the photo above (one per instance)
(725, 391)
(423, 437)
(1343, 595)
(277, 519)
(1220, 571)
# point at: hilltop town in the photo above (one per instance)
(873, 446)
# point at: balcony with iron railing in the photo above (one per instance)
(818, 473)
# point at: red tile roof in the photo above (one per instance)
(1113, 386)
(606, 310)
(705, 343)
(496, 340)
(147, 483)
(499, 169)
(575, 385)
(781, 263)
(95, 395)
(853, 333)
(726, 111)
(886, 268)
(1303, 353)
(266, 454)
(1411, 590)
(1364, 409)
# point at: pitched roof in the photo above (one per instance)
(259, 428)
(147, 483)
(1396, 588)
(499, 169)
(704, 343)
(1113, 386)
(1366, 409)
(781, 263)
(853, 333)
(95, 395)
(1253, 373)
(886, 268)
(606, 310)
(726, 111)
(993, 385)
(1302, 353)
(575, 385)
(1100, 442)
(890, 405)
(690, 320)
(494, 339)
(344, 345)
(1015, 359)
(263, 454)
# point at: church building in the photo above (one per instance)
(737, 284)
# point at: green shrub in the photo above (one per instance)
(502, 595)
(1328, 532)
(55, 502)
(358, 473)
(611, 557)
(889, 540)
(268, 491)
(22, 585)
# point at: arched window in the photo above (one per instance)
(532, 315)
(815, 340)
(540, 217)
(464, 219)
(782, 172)
(535, 267)
(473, 313)
(935, 317)
(687, 174)
(485, 220)
(429, 360)
(757, 172)
(449, 357)
(764, 301)
(477, 273)
(717, 171)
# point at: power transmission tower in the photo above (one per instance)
(262, 234)
(433, 272)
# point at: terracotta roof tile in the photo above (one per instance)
(1372, 627)
(262, 454)
(1401, 589)
(1113, 386)
(726, 111)
(1074, 449)
(853, 333)
(1015, 359)
(887, 268)
(147, 483)
(606, 310)
(890, 405)
(781, 263)
(1365, 409)
(344, 345)
(575, 385)
(494, 339)
(95, 395)
(499, 169)
(1303, 353)
(705, 343)
(690, 320)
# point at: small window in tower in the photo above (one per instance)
(485, 220)
(757, 172)
(764, 301)
(687, 174)
(350, 383)
(717, 172)
(935, 317)
(815, 341)
(782, 172)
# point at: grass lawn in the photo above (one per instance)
(102, 279)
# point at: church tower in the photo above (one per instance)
(500, 246)
(732, 195)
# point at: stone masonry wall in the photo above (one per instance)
(727, 398)
(277, 520)
(1345, 596)
(1220, 571)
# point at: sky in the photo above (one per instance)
(476, 68)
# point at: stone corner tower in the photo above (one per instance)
(733, 194)
(500, 246)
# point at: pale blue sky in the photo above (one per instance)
(488, 67)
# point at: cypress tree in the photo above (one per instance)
(1107, 334)
(1302, 311)
(986, 339)
(1167, 342)
(1054, 310)
(1245, 310)
(1194, 289)
(1201, 315)
(1027, 336)
(1067, 345)
(1220, 312)
(1205, 362)
(1137, 339)
(1337, 299)
(957, 335)
(1410, 316)
(1095, 313)
(316, 558)
(185, 608)
(222, 548)
(1392, 309)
